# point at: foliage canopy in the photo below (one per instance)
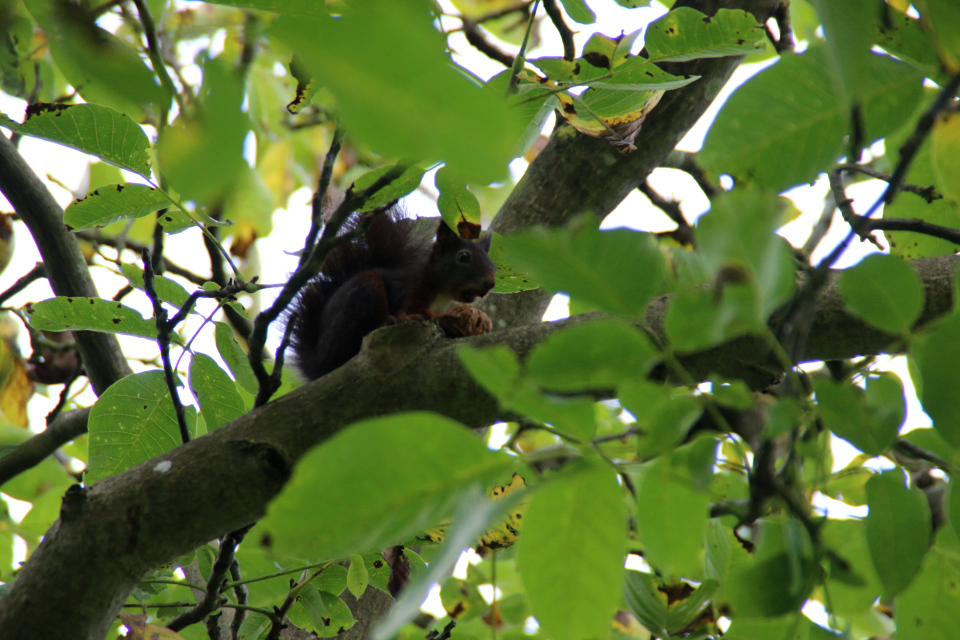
(668, 467)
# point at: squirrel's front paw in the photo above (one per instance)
(463, 320)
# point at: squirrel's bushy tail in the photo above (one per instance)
(391, 242)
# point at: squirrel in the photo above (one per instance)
(394, 272)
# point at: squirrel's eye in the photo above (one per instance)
(463, 257)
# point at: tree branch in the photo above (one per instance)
(66, 427)
(112, 533)
(575, 174)
(68, 273)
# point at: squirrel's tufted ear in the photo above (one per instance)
(484, 241)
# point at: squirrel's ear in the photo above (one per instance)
(484, 241)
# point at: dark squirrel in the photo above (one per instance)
(394, 272)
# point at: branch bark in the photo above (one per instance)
(111, 534)
(576, 174)
(67, 270)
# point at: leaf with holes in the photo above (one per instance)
(90, 128)
(89, 314)
(111, 203)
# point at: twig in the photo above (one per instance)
(242, 594)
(218, 575)
(156, 59)
(442, 635)
(908, 448)
(96, 237)
(821, 227)
(295, 589)
(864, 226)
(686, 161)
(163, 341)
(65, 394)
(927, 193)
(846, 210)
(909, 149)
(252, 27)
(782, 17)
(329, 240)
(669, 207)
(566, 35)
(917, 226)
(64, 428)
(38, 271)
(323, 185)
(499, 13)
(476, 39)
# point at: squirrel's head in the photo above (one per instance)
(471, 274)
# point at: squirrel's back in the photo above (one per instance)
(392, 244)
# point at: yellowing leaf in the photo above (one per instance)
(15, 387)
(498, 537)
(945, 155)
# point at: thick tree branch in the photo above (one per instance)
(66, 427)
(68, 273)
(111, 534)
(576, 174)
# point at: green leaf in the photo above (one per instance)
(510, 279)
(782, 574)
(406, 473)
(90, 128)
(217, 394)
(599, 354)
(132, 422)
(753, 267)
(235, 357)
(926, 609)
(571, 552)
(392, 49)
(405, 183)
(885, 291)
(103, 67)
(642, 594)
(846, 411)
(664, 415)
(898, 530)
(579, 11)
(672, 516)
(686, 34)
(498, 371)
(167, 290)
(849, 28)
(786, 124)
(944, 152)
(357, 576)
(284, 7)
(854, 585)
(936, 353)
(496, 368)
(600, 51)
(456, 203)
(203, 155)
(639, 74)
(791, 627)
(942, 20)
(617, 270)
(724, 553)
(903, 36)
(111, 203)
(89, 314)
